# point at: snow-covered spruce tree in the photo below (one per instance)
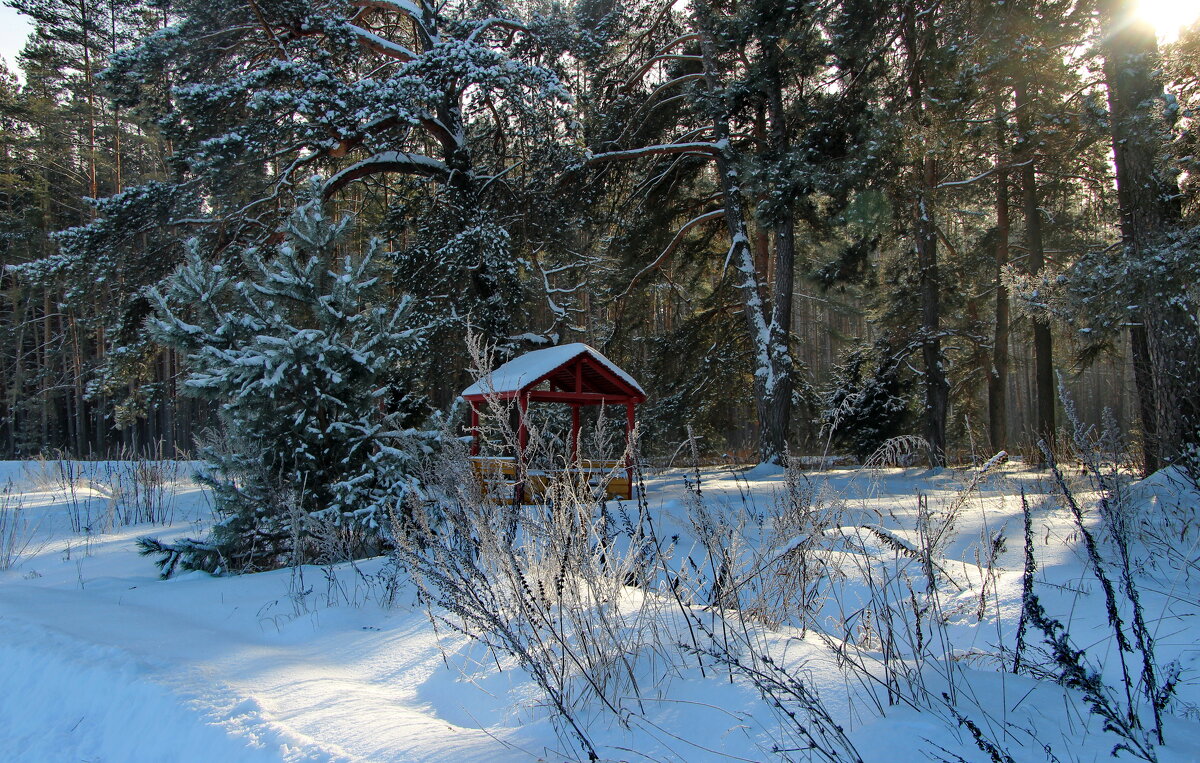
(304, 357)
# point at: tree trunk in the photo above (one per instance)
(937, 389)
(780, 414)
(79, 404)
(1043, 361)
(772, 380)
(86, 25)
(998, 372)
(118, 180)
(1143, 380)
(917, 39)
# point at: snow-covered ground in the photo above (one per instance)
(100, 660)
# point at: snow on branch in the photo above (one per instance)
(680, 80)
(659, 57)
(982, 175)
(399, 6)
(383, 47)
(708, 149)
(388, 161)
(487, 24)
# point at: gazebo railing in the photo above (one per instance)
(499, 477)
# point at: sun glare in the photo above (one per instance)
(1169, 16)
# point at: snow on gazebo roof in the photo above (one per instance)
(531, 368)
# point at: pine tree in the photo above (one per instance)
(787, 146)
(1156, 254)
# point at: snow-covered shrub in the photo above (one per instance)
(303, 357)
(868, 401)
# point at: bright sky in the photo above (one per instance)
(1169, 16)
(14, 28)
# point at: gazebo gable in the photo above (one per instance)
(585, 375)
(573, 372)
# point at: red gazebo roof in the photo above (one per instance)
(569, 373)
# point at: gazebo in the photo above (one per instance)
(574, 374)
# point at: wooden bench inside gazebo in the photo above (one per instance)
(572, 374)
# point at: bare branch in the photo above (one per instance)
(713, 215)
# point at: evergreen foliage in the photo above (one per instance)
(662, 181)
(305, 357)
(869, 401)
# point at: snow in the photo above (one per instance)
(101, 660)
(519, 372)
(382, 45)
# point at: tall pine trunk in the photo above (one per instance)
(937, 389)
(777, 420)
(772, 378)
(1043, 361)
(86, 27)
(998, 371)
(918, 39)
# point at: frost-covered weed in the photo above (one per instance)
(546, 583)
(137, 489)
(134, 488)
(1134, 708)
(597, 605)
(16, 531)
(600, 609)
(65, 477)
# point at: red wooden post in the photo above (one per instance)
(522, 441)
(629, 445)
(522, 429)
(575, 433)
(474, 430)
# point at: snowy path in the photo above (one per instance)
(101, 661)
(338, 696)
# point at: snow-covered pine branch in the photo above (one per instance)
(380, 45)
(387, 161)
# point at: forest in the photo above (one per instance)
(883, 317)
(807, 227)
